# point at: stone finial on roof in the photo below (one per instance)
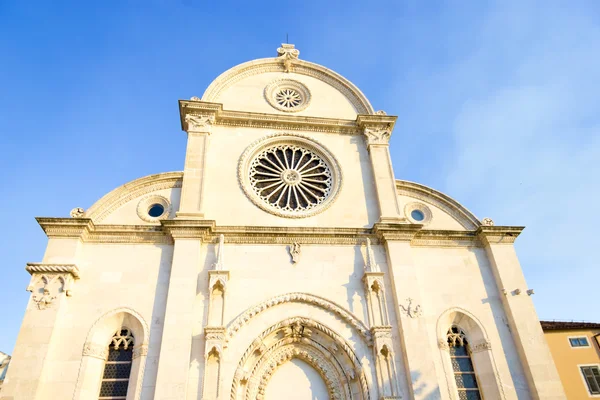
(287, 53)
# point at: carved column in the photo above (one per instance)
(214, 332)
(36, 356)
(385, 367)
(198, 128)
(536, 359)
(176, 344)
(414, 333)
(377, 130)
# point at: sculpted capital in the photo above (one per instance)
(199, 123)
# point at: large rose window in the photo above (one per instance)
(289, 176)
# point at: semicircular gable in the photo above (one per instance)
(445, 204)
(132, 190)
(241, 75)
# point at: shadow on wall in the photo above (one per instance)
(509, 347)
(157, 320)
(355, 296)
(422, 389)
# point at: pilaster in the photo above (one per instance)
(174, 360)
(198, 128)
(535, 356)
(35, 356)
(377, 130)
(416, 341)
(381, 331)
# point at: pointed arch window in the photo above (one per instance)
(462, 365)
(115, 378)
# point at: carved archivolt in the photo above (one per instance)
(306, 298)
(310, 341)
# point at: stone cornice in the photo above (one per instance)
(188, 229)
(287, 235)
(274, 121)
(41, 268)
(66, 227)
(498, 235)
(208, 232)
(395, 231)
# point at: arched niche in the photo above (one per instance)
(480, 348)
(307, 340)
(95, 352)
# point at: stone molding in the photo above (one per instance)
(439, 200)
(295, 139)
(207, 231)
(499, 235)
(131, 190)
(286, 62)
(41, 268)
(306, 339)
(306, 298)
(215, 333)
(483, 345)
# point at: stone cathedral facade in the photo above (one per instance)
(285, 262)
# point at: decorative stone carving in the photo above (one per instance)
(140, 351)
(480, 346)
(296, 331)
(381, 332)
(199, 123)
(295, 251)
(150, 201)
(410, 310)
(370, 265)
(530, 292)
(77, 212)
(425, 211)
(487, 222)
(245, 317)
(218, 266)
(287, 95)
(44, 301)
(292, 193)
(287, 53)
(377, 135)
(195, 98)
(214, 333)
(310, 341)
(95, 350)
(380, 112)
(443, 344)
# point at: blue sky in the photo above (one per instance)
(497, 105)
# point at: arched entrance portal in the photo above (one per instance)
(307, 383)
(320, 362)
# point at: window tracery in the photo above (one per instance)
(289, 175)
(117, 368)
(462, 365)
(290, 178)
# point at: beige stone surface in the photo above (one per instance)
(351, 298)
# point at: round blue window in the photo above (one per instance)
(417, 215)
(156, 210)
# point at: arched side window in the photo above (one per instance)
(464, 373)
(117, 368)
